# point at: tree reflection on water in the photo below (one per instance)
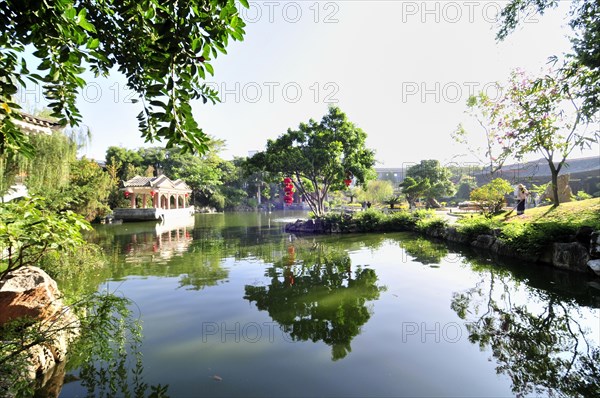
(318, 297)
(543, 346)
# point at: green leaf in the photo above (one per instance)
(92, 44)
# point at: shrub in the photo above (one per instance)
(582, 195)
(490, 197)
(430, 223)
(370, 220)
(399, 221)
(533, 238)
(477, 225)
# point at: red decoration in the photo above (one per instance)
(152, 193)
(126, 194)
(187, 194)
(288, 189)
(349, 177)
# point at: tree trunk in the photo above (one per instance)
(433, 203)
(556, 202)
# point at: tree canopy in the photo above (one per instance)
(537, 115)
(585, 22)
(429, 180)
(318, 157)
(164, 50)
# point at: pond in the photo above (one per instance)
(231, 305)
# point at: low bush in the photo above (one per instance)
(370, 220)
(477, 225)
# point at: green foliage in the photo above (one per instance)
(48, 171)
(328, 302)
(109, 337)
(539, 115)
(464, 187)
(376, 191)
(76, 272)
(429, 223)
(369, 220)
(582, 195)
(490, 197)
(414, 189)
(400, 221)
(88, 190)
(318, 157)
(428, 180)
(205, 174)
(373, 220)
(424, 250)
(477, 225)
(534, 238)
(164, 51)
(586, 28)
(29, 231)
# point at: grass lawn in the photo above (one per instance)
(575, 214)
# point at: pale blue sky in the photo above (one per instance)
(401, 71)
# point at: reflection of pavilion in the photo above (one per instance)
(154, 198)
(169, 238)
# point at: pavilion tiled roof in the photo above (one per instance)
(161, 181)
(138, 181)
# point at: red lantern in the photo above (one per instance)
(288, 189)
(126, 195)
(347, 181)
(187, 194)
(152, 193)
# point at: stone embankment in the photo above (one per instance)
(579, 253)
(30, 296)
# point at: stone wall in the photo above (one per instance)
(581, 253)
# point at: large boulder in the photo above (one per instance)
(564, 190)
(483, 241)
(29, 293)
(571, 255)
(594, 265)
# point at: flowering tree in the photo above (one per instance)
(538, 115)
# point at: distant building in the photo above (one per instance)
(393, 174)
(29, 124)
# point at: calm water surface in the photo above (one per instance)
(233, 306)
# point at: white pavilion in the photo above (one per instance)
(154, 198)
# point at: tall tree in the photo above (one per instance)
(319, 156)
(541, 115)
(585, 21)
(162, 48)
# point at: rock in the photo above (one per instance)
(595, 244)
(453, 235)
(500, 248)
(483, 241)
(595, 266)
(437, 233)
(564, 190)
(583, 235)
(29, 292)
(572, 256)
